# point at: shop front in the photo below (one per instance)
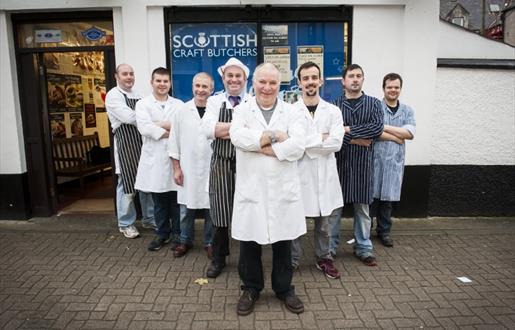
(65, 65)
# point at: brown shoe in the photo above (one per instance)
(181, 250)
(247, 301)
(209, 251)
(293, 303)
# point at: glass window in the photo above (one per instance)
(65, 34)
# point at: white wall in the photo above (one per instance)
(385, 40)
(474, 118)
(12, 151)
(457, 42)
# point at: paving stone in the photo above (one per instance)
(94, 280)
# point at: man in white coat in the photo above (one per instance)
(120, 105)
(154, 114)
(268, 135)
(321, 192)
(191, 158)
(216, 124)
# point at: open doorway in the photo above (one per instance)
(79, 128)
(65, 69)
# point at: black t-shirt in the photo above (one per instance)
(312, 109)
(201, 111)
(393, 109)
(353, 102)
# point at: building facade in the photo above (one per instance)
(461, 162)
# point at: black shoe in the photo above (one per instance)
(215, 268)
(293, 303)
(386, 240)
(158, 243)
(247, 301)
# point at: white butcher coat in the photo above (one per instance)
(321, 191)
(189, 145)
(155, 172)
(267, 202)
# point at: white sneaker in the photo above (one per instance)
(129, 231)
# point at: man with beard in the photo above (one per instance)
(216, 124)
(363, 122)
(321, 192)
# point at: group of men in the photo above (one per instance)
(260, 166)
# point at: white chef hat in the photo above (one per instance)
(234, 62)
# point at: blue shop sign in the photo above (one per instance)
(205, 47)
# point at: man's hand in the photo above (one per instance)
(268, 150)
(178, 176)
(361, 142)
(280, 136)
(266, 139)
(165, 135)
(325, 136)
(164, 124)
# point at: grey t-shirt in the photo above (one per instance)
(268, 113)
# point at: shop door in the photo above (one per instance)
(62, 97)
(75, 84)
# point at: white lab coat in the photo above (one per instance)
(267, 202)
(321, 191)
(214, 103)
(155, 172)
(190, 146)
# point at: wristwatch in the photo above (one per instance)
(272, 137)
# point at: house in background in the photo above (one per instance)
(481, 16)
(508, 20)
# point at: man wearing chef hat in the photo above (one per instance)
(216, 124)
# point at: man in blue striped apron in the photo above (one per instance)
(216, 124)
(389, 155)
(120, 105)
(363, 122)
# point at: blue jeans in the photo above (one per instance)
(363, 246)
(166, 213)
(188, 226)
(126, 211)
(382, 211)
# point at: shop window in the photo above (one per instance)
(65, 34)
(201, 40)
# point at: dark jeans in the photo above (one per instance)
(220, 243)
(167, 215)
(250, 267)
(382, 211)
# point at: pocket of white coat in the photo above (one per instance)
(246, 190)
(291, 190)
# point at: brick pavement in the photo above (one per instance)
(79, 272)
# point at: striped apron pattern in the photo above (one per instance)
(355, 163)
(222, 176)
(128, 142)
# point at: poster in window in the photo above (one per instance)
(55, 90)
(89, 112)
(280, 57)
(76, 124)
(311, 54)
(275, 35)
(99, 94)
(57, 125)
